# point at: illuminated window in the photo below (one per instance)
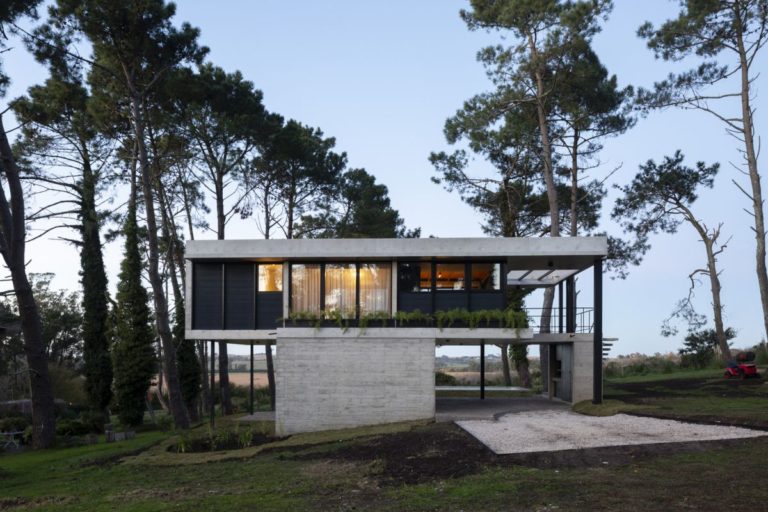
(375, 288)
(271, 278)
(450, 276)
(340, 288)
(415, 277)
(486, 276)
(305, 288)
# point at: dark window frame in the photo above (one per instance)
(468, 292)
(222, 264)
(322, 265)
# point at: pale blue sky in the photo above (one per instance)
(382, 77)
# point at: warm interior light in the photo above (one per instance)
(270, 278)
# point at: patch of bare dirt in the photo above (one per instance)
(47, 501)
(438, 451)
(443, 451)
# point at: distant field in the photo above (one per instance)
(244, 379)
(473, 378)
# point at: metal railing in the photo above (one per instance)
(583, 320)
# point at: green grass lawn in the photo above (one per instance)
(711, 373)
(353, 469)
(700, 395)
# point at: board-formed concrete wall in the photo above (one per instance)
(326, 383)
(583, 377)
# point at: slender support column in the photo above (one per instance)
(570, 305)
(251, 393)
(482, 369)
(213, 383)
(597, 355)
(560, 308)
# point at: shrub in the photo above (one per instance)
(761, 353)
(443, 379)
(14, 424)
(699, 348)
(164, 422)
(641, 364)
(93, 421)
(71, 428)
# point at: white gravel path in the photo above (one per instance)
(540, 431)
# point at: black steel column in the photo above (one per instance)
(560, 307)
(251, 394)
(482, 369)
(597, 355)
(213, 383)
(570, 305)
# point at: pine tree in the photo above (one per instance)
(133, 351)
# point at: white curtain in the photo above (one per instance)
(340, 279)
(375, 288)
(305, 288)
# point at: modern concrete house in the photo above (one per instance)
(350, 349)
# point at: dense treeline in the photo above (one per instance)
(145, 112)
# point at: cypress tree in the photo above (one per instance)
(133, 352)
(98, 365)
(189, 366)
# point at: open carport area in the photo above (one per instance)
(491, 408)
(555, 429)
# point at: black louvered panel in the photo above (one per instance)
(270, 309)
(206, 293)
(239, 307)
(486, 300)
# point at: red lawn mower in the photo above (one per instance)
(743, 367)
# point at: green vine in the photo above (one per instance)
(416, 316)
(506, 319)
(367, 319)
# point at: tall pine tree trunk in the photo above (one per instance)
(750, 155)
(176, 401)
(12, 248)
(519, 355)
(549, 180)
(717, 307)
(221, 221)
(709, 238)
(505, 363)
(188, 365)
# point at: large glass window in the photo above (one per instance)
(340, 288)
(450, 276)
(271, 277)
(415, 276)
(486, 276)
(305, 288)
(375, 288)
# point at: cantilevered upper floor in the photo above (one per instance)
(246, 289)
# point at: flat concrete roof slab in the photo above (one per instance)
(572, 253)
(556, 430)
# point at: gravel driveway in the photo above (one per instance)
(544, 431)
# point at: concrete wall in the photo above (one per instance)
(583, 376)
(326, 383)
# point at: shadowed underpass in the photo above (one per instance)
(455, 409)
